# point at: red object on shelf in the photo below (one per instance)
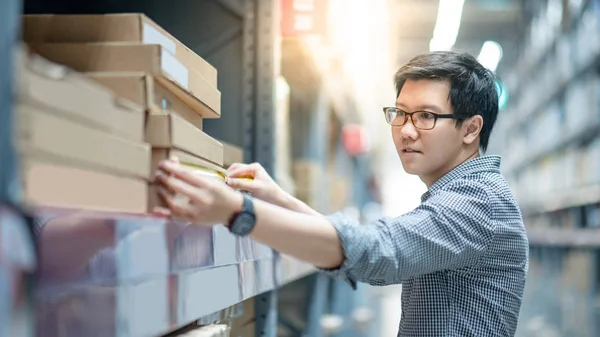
(303, 17)
(355, 139)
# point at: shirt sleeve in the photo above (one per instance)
(450, 230)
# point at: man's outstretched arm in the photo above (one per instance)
(450, 231)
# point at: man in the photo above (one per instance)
(461, 256)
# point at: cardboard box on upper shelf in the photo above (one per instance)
(130, 27)
(43, 134)
(54, 87)
(173, 132)
(153, 59)
(232, 154)
(142, 89)
(61, 186)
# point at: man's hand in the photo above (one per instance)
(261, 186)
(208, 201)
(198, 199)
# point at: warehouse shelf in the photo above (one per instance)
(565, 140)
(560, 200)
(559, 237)
(523, 114)
(138, 276)
(532, 59)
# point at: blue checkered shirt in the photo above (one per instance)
(461, 256)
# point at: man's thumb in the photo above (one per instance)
(241, 184)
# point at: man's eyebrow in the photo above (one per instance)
(423, 107)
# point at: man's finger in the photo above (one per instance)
(184, 174)
(242, 184)
(242, 171)
(161, 212)
(177, 208)
(175, 185)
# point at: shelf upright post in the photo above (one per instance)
(9, 33)
(17, 250)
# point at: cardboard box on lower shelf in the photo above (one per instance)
(144, 90)
(248, 330)
(151, 59)
(247, 317)
(173, 132)
(54, 87)
(43, 134)
(59, 186)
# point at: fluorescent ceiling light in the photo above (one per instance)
(447, 24)
(490, 55)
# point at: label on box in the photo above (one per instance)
(174, 68)
(153, 36)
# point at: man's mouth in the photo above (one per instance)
(410, 151)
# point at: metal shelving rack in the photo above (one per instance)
(138, 277)
(17, 249)
(135, 276)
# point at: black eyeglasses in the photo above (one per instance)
(422, 120)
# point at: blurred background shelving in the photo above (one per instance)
(549, 136)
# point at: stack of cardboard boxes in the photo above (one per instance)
(80, 146)
(132, 58)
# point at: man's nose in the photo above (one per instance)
(408, 130)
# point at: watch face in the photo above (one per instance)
(243, 224)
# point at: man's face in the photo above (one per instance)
(427, 153)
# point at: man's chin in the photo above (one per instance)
(410, 168)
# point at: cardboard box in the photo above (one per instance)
(59, 186)
(248, 330)
(308, 174)
(142, 89)
(232, 154)
(186, 159)
(54, 87)
(247, 316)
(153, 59)
(173, 132)
(133, 28)
(42, 134)
(160, 154)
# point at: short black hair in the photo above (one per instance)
(473, 88)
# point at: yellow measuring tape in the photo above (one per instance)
(219, 174)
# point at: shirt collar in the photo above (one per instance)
(476, 165)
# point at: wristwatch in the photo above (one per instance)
(242, 223)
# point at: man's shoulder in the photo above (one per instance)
(490, 183)
(488, 190)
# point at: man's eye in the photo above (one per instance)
(427, 115)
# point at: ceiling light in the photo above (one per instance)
(447, 25)
(490, 55)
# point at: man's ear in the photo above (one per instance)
(472, 128)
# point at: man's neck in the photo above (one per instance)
(465, 156)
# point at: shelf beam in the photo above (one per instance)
(561, 200)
